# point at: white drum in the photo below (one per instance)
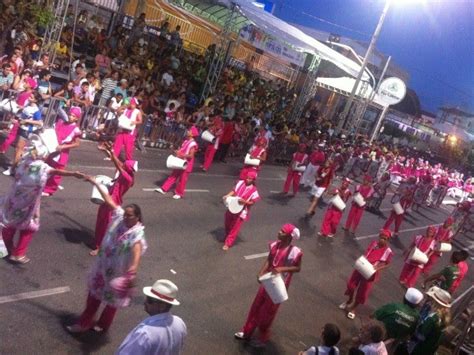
(359, 200)
(49, 139)
(397, 207)
(9, 105)
(104, 182)
(418, 256)
(250, 161)
(275, 287)
(125, 123)
(338, 203)
(443, 247)
(208, 137)
(176, 163)
(364, 267)
(299, 168)
(233, 205)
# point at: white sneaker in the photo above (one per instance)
(160, 190)
(7, 172)
(60, 187)
(45, 194)
(343, 305)
(177, 197)
(107, 159)
(239, 335)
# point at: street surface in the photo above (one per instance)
(185, 238)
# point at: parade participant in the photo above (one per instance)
(162, 332)
(21, 207)
(316, 159)
(412, 269)
(180, 177)
(125, 136)
(444, 234)
(216, 129)
(379, 254)
(453, 272)
(121, 184)
(113, 275)
(333, 215)
(400, 319)
(330, 336)
(299, 159)
(460, 215)
(366, 190)
(323, 179)
(284, 258)
(434, 318)
(405, 197)
(463, 269)
(257, 151)
(248, 195)
(68, 134)
(468, 188)
(380, 191)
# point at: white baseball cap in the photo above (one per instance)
(414, 296)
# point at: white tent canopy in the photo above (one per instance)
(299, 40)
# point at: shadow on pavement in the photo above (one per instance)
(270, 349)
(219, 234)
(77, 236)
(280, 199)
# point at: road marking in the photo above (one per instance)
(34, 294)
(462, 295)
(190, 190)
(399, 232)
(255, 256)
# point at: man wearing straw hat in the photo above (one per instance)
(284, 259)
(162, 333)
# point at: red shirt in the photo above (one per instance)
(228, 133)
(324, 176)
(317, 157)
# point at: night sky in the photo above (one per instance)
(432, 39)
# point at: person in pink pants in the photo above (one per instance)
(333, 215)
(257, 151)
(68, 134)
(405, 202)
(178, 176)
(125, 180)
(128, 122)
(283, 259)
(300, 159)
(444, 234)
(248, 195)
(217, 128)
(412, 269)
(356, 212)
(11, 136)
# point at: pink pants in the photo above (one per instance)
(360, 286)
(354, 217)
(410, 274)
(331, 221)
(431, 261)
(127, 140)
(261, 316)
(209, 156)
(87, 317)
(10, 138)
(398, 218)
(53, 180)
(104, 215)
(8, 233)
(180, 177)
(295, 177)
(232, 223)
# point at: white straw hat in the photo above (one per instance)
(163, 290)
(440, 296)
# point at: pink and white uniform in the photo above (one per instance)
(126, 138)
(299, 158)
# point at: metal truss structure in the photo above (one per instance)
(53, 32)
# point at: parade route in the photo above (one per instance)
(34, 294)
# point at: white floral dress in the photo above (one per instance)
(114, 258)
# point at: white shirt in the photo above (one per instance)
(322, 350)
(374, 349)
(161, 334)
(167, 79)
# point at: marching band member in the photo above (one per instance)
(468, 188)
(444, 234)
(180, 177)
(126, 134)
(247, 193)
(333, 215)
(380, 191)
(412, 269)
(257, 151)
(405, 201)
(123, 183)
(68, 134)
(323, 179)
(217, 128)
(355, 213)
(316, 159)
(379, 254)
(299, 159)
(285, 259)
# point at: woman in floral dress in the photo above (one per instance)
(112, 277)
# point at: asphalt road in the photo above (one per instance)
(185, 239)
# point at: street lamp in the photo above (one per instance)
(373, 40)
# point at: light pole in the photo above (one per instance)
(347, 107)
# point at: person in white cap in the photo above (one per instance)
(284, 259)
(162, 333)
(400, 319)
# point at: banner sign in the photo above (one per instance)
(261, 40)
